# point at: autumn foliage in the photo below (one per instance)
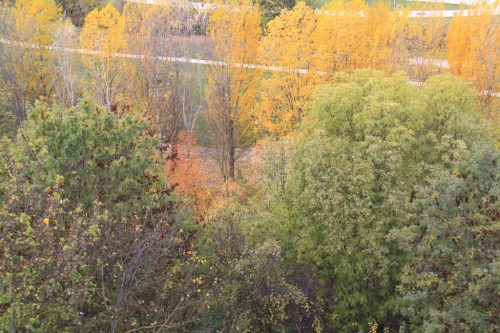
(249, 166)
(187, 172)
(473, 51)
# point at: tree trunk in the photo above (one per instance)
(231, 150)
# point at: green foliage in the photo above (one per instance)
(332, 195)
(251, 291)
(77, 10)
(86, 224)
(9, 121)
(379, 211)
(450, 283)
(269, 9)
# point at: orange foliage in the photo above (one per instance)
(185, 172)
(188, 172)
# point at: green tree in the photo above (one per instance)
(89, 230)
(251, 291)
(269, 9)
(78, 9)
(333, 194)
(8, 118)
(450, 283)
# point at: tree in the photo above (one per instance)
(148, 32)
(78, 9)
(404, 43)
(9, 122)
(231, 90)
(390, 47)
(427, 46)
(91, 238)
(288, 45)
(65, 80)
(103, 32)
(450, 281)
(473, 51)
(26, 61)
(250, 290)
(188, 172)
(342, 37)
(171, 94)
(349, 176)
(269, 9)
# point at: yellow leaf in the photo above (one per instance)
(289, 44)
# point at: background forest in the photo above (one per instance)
(266, 166)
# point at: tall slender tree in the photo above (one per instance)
(103, 33)
(473, 51)
(64, 74)
(342, 37)
(25, 65)
(231, 90)
(288, 45)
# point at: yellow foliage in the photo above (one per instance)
(343, 36)
(103, 32)
(390, 51)
(143, 24)
(231, 89)
(32, 22)
(404, 43)
(473, 50)
(289, 44)
(426, 43)
(236, 37)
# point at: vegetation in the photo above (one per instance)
(348, 181)
(90, 232)
(263, 166)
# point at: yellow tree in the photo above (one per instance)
(426, 42)
(26, 60)
(343, 36)
(170, 93)
(414, 45)
(473, 51)
(390, 46)
(147, 32)
(289, 45)
(231, 89)
(103, 34)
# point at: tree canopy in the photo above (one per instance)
(249, 166)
